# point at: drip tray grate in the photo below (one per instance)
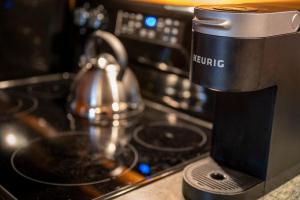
(208, 176)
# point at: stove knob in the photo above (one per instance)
(81, 16)
(97, 17)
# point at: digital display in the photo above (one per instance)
(150, 21)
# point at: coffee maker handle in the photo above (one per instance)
(115, 44)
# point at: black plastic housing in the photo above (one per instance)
(257, 112)
(230, 64)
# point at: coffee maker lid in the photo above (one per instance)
(246, 20)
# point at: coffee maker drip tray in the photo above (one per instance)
(207, 178)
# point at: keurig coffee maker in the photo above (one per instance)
(250, 56)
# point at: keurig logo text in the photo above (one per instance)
(212, 62)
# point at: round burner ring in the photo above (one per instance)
(16, 107)
(23, 105)
(67, 134)
(196, 131)
(28, 109)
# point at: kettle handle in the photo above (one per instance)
(115, 44)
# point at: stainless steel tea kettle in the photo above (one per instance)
(105, 89)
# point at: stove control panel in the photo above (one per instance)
(91, 17)
(150, 28)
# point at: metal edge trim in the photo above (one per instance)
(2, 189)
(35, 79)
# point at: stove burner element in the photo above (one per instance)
(169, 138)
(71, 160)
(12, 104)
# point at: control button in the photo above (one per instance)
(143, 32)
(161, 20)
(160, 25)
(124, 29)
(139, 17)
(167, 30)
(125, 14)
(175, 31)
(130, 30)
(165, 38)
(131, 16)
(151, 34)
(138, 25)
(176, 23)
(173, 40)
(95, 20)
(80, 16)
(131, 23)
(168, 21)
(97, 17)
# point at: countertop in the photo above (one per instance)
(169, 188)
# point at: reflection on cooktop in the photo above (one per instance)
(71, 160)
(173, 138)
(46, 153)
(49, 91)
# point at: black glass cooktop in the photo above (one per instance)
(47, 153)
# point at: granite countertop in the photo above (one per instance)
(169, 188)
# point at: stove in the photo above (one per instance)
(47, 153)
